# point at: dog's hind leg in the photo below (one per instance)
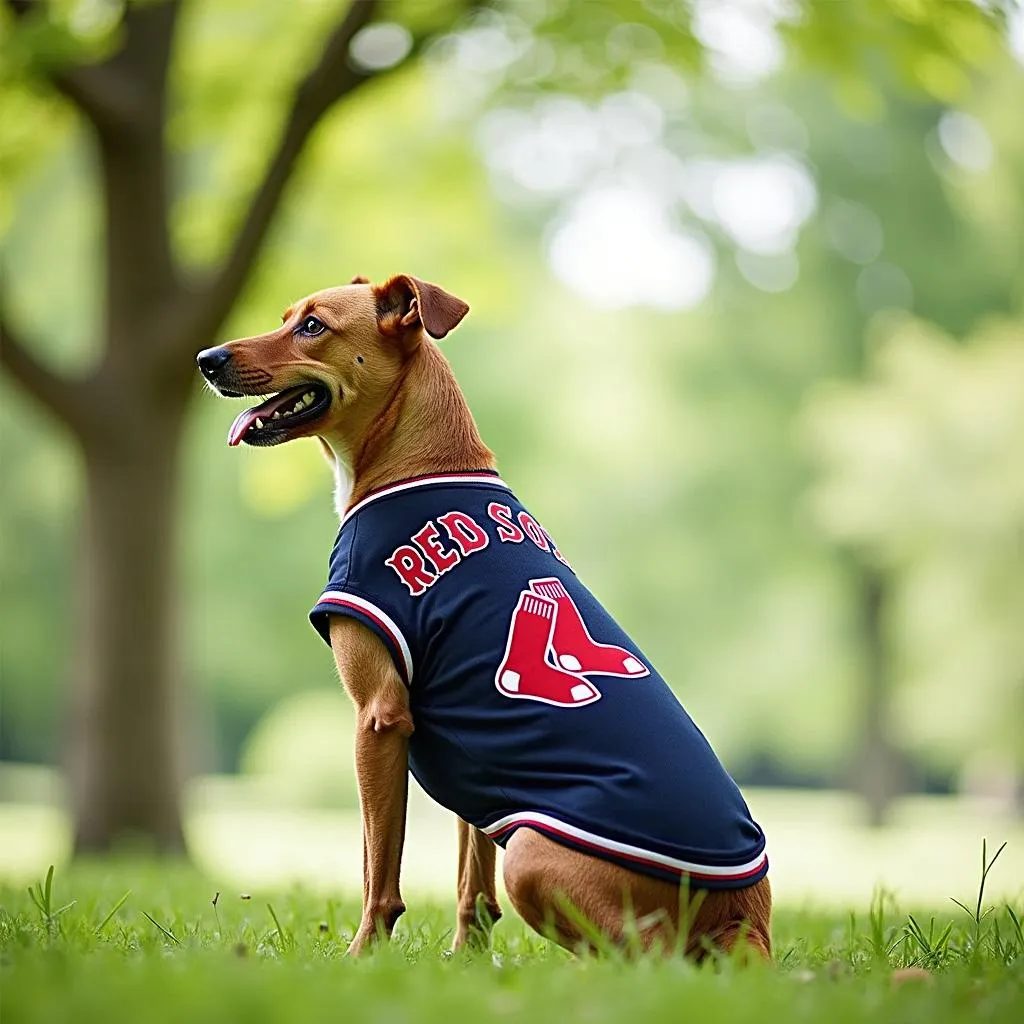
(478, 901)
(732, 920)
(582, 901)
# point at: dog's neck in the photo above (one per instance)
(337, 455)
(424, 427)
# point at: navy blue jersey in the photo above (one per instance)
(531, 707)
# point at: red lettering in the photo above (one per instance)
(508, 532)
(465, 531)
(427, 541)
(411, 568)
(533, 530)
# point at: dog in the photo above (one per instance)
(477, 660)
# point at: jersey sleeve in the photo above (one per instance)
(346, 602)
(342, 596)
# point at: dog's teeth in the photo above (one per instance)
(287, 412)
(277, 415)
(298, 407)
(308, 397)
(259, 423)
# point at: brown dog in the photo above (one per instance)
(357, 367)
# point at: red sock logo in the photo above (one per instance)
(575, 649)
(525, 673)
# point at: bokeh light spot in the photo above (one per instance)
(740, 36)
(380, 46)
(769, 273)
(763, 202)
(631, 118)
(965, 141)
(618, 248)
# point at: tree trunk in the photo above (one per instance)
(128, 416)
(878, 770)
(125, 769)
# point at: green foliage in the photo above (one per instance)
(920, 469)
(932, 45)
(35, 122)
(168, 951)
(668, 453)
(302, 750)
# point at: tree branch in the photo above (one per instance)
(60, 395)
(113, 93)
(332, 78)
(106, 98)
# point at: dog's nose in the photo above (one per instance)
(212, 360)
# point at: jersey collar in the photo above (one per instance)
(475, 476)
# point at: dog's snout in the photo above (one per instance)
(212, 360)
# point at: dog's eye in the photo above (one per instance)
(312, 327)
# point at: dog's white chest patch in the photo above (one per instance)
(342, 479)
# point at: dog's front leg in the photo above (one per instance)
(478, 901)
(383, 727)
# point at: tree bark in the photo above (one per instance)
(878, 770)
(125, 767)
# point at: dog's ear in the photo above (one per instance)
(359, 279)
(405, 304)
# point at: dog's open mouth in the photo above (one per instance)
(280, 417)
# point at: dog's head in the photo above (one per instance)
(334, 360)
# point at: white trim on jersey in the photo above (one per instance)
(546, 823)
(376, 615)
(421, 481)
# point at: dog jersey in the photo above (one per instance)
(531, 707)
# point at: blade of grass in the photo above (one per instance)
(37, 899)
(285, 937)
(169, 935)
(588, 931)
(985, 869)
(1016, 925)
(113, 910)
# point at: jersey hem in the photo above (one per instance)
(707, 876)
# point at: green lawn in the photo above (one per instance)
(163, 952)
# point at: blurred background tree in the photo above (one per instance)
(734, 198)
(126, 413)
(922, 475)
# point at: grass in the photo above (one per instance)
(150, 942)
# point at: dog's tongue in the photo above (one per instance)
(243, 421)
